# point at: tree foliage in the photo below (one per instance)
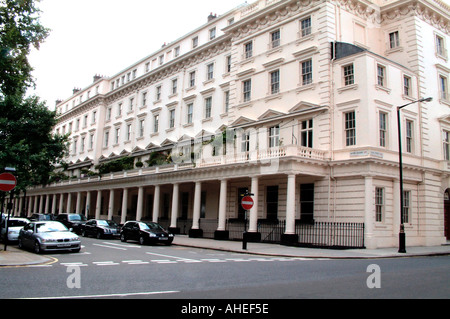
(20, 30)
(26, 139)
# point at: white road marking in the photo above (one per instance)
(104, 263)
(109, 246)
(110, 295)
(175, 257)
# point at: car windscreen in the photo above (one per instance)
(50, 227)
(107, 223)
(150, 226)
(76, 217)
(17, 223)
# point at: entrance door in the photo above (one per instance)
(447, 214)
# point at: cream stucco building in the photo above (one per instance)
(292, 101)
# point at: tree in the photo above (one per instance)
(26, 139)
(20, 30)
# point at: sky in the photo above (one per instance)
(90, 37)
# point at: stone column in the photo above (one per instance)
(156, 198)
(369, 210)
(35, 206)
(88, 204)
(69, 203)
(111, 204)
(175, 204)
(195, 231)
(221, 232)
(140, 203)
(123, 218)
(47, 204)
(61, 203)
(54, 204)
(98, 205)
(78, 204)
(252, 234)
(41, 204)
(290, 237)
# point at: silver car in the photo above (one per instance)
(48, 236)
(14, 226)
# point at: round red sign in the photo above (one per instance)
(247, 203)
(7, 182)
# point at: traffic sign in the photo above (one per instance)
(7, 182)
(247, 203)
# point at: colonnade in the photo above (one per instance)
(79, 202)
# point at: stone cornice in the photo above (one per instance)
(199, 55)
(436, 13)
(82, 108)
(268, 16)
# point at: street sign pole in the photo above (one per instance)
(7, 184)
(247, 204)
(9, 209)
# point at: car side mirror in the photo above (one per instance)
(70, 229)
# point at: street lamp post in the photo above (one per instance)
(401, 235)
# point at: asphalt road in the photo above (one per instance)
(112, 269)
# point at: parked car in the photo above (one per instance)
(100, 228)
(48, 236)
(15, 224)
(39, 217)
(72, 221)
(145, 233)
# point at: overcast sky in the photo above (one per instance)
(103, 37)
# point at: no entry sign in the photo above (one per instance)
(7, 182)
(247, 203)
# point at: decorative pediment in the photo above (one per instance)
(222, 128)
(445, 119)
(242, 120)
(152, 145)
(136, 149)
(203, 133)
(185, 137)
(302, 106)
(167, 142)
(270, 114)
(124, 152)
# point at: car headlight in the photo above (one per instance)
(170, 235)
(48, 240)
(152, 235)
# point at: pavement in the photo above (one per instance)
(16, 257)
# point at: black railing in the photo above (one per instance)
(330, 235)
(313, 234)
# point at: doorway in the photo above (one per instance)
(447, 213)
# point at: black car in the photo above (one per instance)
(73, 221)
(41, 217)
(100, 228)
(147, 232)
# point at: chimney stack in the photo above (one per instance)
(211, 17)
(97, 77)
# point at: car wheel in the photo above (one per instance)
(141, 240)
(99, 235)
(37, 247)
(123, 238)
(76, 250)
(83, 233)
(20, 243)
